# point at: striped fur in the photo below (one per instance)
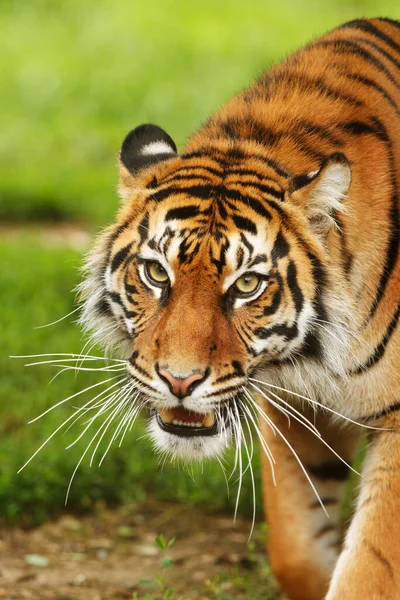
(295, 179)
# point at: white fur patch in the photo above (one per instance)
(156, 148)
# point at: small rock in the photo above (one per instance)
(80, 579)
(102, 554)
(36, 560)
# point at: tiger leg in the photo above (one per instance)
(303, 542)
(369, 566)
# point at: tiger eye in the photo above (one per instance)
(247, 283)
(156, 273)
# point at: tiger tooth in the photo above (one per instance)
(209, 419)
(166, 415)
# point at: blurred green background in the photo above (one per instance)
(75, 78)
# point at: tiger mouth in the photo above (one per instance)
(184, 423)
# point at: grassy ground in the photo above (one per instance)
(76, 76)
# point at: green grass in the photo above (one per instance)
(35, 290)
(77, 76)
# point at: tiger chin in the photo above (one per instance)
(253, 280)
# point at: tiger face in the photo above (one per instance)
(213, 271)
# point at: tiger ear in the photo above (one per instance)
(143, 146)
(320, 193)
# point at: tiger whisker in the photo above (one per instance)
(120, 426)
(48, 439)
(75, 395)
(230, 415)
(58, 320)
(123, 403)
(82, 410)
(293, 411)
(253, 483)
(238, 434)
(342, 328)
(307, 427)
(72, 356)
(132, 418)
(106, 330)
(84, 454)
(264, 445)
(278, 431)
(335, 337)
(114, 399)
(57, 361)
(316, 403)
(112, 369)
(219, 461)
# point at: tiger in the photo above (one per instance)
(253, 280)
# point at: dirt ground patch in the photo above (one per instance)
(105, 556)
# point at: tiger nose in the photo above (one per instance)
(181, 386)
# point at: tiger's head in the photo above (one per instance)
(215, 269)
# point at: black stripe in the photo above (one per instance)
(246, 243)
(388, 56)
(144, 228)
(380, 349)
(319, 278)
(390, 22)
(345, 255)
(265, 189)
(382, 413)
(260, 258)
(313, 83)
(273, 307)
(329, 471)
(198, 191)
(289, 332)
(392, 251)
(194, 176)
(280, 249)
(247, 200)
(326, 501)
(103, 308)
(361, 128)
(265, 136)
(294, 286)
(347, 47)
(239, 257)
(131, 288)
(183, 212)
(377, 552)
(323, 132)
(115, 297)
(242, 172)
(257, 206)
(119, 257)
(368, 27)
(244, 223)
(372, 84)
(219, 156)
(194, 171)
(324, 529)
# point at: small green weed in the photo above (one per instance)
(160, 579)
